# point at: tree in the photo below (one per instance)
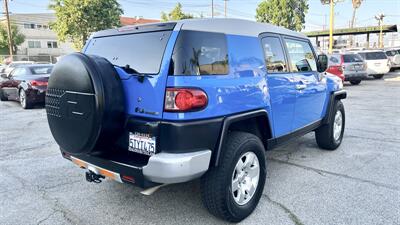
(175, 14)
(77, 19)
(17, 37)
(287, 13)
(356, 5)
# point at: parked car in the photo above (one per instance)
(394, 56)
(26, 84)
(377, 62)
(171, 102)
(348, 67)
(15, 64)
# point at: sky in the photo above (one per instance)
(316, 19)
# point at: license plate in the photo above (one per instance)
(357, 67)
(142, 143)
(377, 64)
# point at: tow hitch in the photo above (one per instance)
(93, 177)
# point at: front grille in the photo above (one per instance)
(53, 96)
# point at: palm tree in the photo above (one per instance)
(356, 5)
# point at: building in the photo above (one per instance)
(41, 43)
(136, 20)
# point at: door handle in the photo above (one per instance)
(301, 86)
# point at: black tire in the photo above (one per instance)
(24, 100)
(216, 184)
(3, 97)
(378, 76)
(324, 135)
(355, 82)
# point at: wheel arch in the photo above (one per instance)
(335, 96)
(256, 122)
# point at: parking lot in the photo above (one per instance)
(357, 184)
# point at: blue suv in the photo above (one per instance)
(171, 102)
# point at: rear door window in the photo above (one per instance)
(301, 56)
(141, 51)
(274, 55)
(200, 53)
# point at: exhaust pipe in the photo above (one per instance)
(150, 191)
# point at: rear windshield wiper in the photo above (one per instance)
(133, 72)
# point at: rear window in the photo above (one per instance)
(392, 53)
(351, 58)
(142, 51)
(199, 53)
(38, 70)
(373, 55)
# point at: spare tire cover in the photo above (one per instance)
(84, 103)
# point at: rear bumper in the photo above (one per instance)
(162, 168)
(184, 152)
(36, 95)
(355, 76)
(178, 167)
(375, 71)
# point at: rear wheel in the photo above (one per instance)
(329, 136)
(3, 97)
(355, 82)
(378, 76)
(232, 190)
(24, 101)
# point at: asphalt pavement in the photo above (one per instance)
(357, 184)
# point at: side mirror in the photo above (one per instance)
(322, 63)
(3, 75)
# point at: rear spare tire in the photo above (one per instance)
(84, 103)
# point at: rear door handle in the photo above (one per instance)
(301, 86)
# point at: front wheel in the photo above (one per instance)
(329, 136)
(378, 76)
(232, 190)
(355, 82)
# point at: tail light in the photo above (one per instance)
(184, 99)
(38, 83)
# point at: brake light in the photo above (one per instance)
(38, 83)
(184, 99)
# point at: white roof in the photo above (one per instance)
(234, 26)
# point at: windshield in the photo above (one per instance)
(373, 55)
(143, 52)
(352, 58)
(39, 70)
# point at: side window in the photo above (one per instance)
(200, 53)
(274, 55)
(301, 56)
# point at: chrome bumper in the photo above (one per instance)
(177, 167)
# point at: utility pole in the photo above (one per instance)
(331, 26)
(380, 17)
(212, 8)
(331, 18)
(225, 7)
(9, 33)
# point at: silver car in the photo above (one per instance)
(349, 66)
